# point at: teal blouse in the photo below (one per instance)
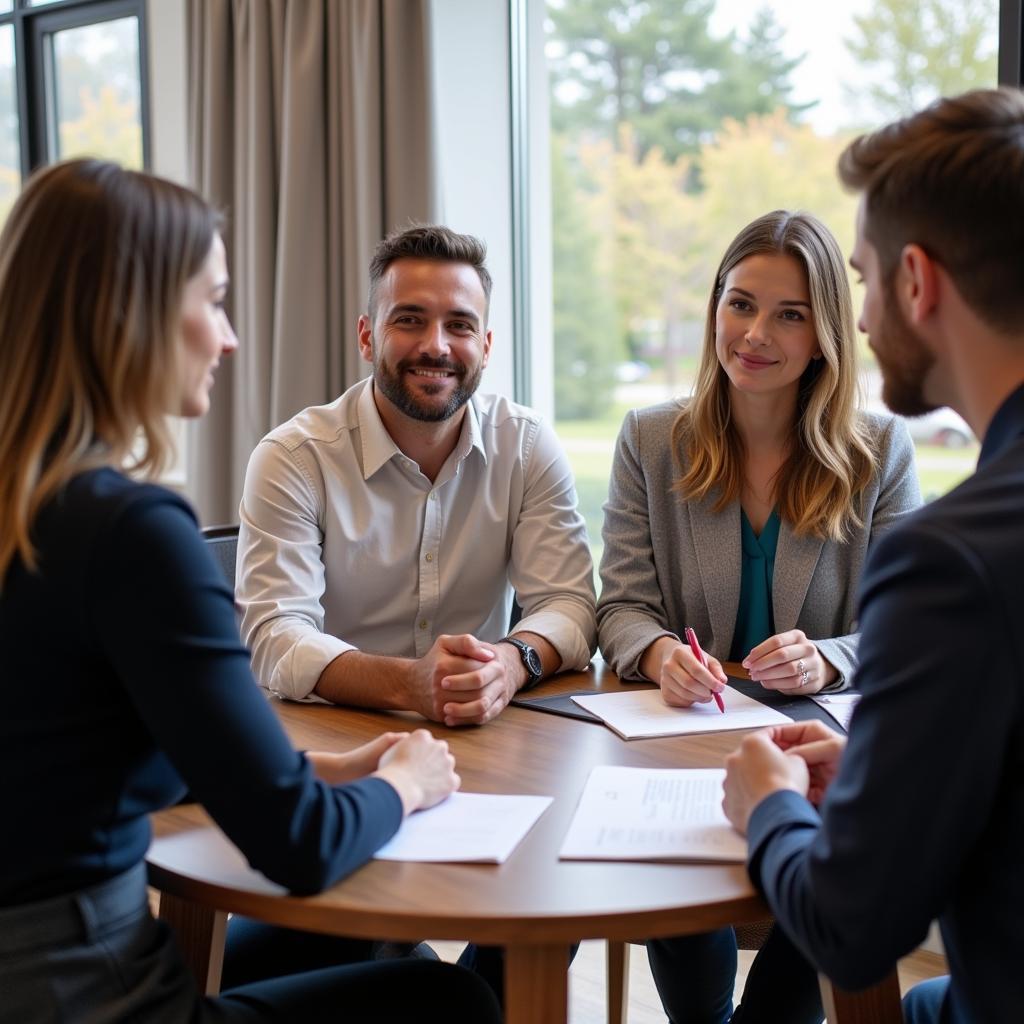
(755, 621)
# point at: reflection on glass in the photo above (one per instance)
(10, 145)
(95, 81)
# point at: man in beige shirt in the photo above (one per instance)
(384, 536)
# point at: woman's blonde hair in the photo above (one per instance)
(832, 456)
(93, 265)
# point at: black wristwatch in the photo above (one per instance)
(530, 658)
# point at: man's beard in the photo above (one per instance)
(392, 384)
(904, 361)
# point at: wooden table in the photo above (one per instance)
(534, 904)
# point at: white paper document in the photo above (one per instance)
(637, 713)
(471, 827)
(665, 814)
(839, 705)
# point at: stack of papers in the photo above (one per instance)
(661, 814)
(643, 712)
(467, 827)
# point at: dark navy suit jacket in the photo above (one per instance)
(926, 817)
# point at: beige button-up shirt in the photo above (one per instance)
(345, 544)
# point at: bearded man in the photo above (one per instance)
(384, 536)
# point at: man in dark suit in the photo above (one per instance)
(922, 815)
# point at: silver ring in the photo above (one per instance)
(800, 666)
(803, 677)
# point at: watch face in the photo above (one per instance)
(532, 660)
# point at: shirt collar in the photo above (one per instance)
(1006, 426)
(379, 447)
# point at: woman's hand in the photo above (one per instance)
(789, 663)
(682, 678)
(420, 769)
(337, 769)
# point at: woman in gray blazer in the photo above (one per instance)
(746, 513)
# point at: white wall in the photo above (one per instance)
(471, 79)
(167, 88)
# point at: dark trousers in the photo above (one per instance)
(256, 950)
(98, 955)
(696, 974)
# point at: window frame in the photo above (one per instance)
(34, 28)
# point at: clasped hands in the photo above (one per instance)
(801, 756)
(464, 681)
(418, 766)
(778, 663)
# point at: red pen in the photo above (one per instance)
(691, 639)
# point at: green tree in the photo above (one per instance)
(107, 127)
(653, 64)
(586, 342)
(917, 51)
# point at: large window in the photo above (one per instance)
(676, 122)
(72, 83)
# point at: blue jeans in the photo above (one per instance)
(923, 1003)
(696, 974)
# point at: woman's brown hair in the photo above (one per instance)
(93, 264)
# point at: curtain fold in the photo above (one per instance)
(311, 126)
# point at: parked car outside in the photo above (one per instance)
(941, 427)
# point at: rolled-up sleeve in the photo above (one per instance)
(281, 576)
(550, 566)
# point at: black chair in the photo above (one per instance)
(223, 544)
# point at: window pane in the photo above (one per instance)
(10, 143)
(95, 80)
(673, 124)
(6, 6)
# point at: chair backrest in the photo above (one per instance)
(223, 544)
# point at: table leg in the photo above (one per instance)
(200, 932)
(537, 984)
(879, 1004)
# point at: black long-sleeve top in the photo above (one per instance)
(124, 682)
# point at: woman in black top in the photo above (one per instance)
(124, 681)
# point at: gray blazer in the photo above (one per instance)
(670, 563)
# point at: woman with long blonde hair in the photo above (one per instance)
(124, 680)
(745, 513)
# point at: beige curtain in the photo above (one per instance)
(311, 127)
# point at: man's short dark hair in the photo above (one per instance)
(427, 242)
(951, 179)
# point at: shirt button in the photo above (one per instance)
(430, 557)
(432, 495)
(423, 623)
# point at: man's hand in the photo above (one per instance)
(681, 676)
(820, 748)
(463, 681)
(756, 769)
(790, 663)
(336, 769)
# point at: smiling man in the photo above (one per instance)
(383, 536)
